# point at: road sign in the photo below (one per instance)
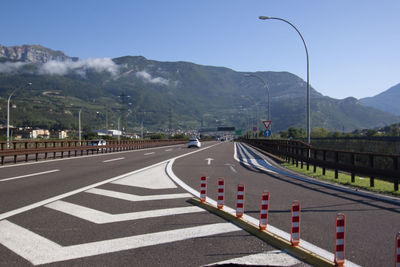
(267, 133)
(267, 124)
(238, 132)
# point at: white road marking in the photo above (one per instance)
(28, 175)
(231, 167)
(270, 258)
(39, 250)
(150, 153)
(209, 161)
(99, 217)
(168, 149)
(109, 160)
(134, 198)
(73, 192)
(154, 178)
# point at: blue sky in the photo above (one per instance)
(354, 45)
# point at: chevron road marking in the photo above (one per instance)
(154, 178)
(39, 250)
(131, 197)
(100, 217)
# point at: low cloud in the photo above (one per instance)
(79, 67)
(8, 67)
(64, 67)
(145, 76)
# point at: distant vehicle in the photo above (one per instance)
(194, 142)
(98, 143)
(222, 139)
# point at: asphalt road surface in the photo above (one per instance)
(121, 209)
(371, 224)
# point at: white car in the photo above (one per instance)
(194, 142)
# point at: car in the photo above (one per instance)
(98, 143)
(194, 142)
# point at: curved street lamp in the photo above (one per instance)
(267, 88)
(308, 75)
(8, 114)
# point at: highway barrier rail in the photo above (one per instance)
(45, 149)
(365, 164)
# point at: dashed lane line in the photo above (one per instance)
(110, 160)
(28, 175)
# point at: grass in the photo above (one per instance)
(382, 187)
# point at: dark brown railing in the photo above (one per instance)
(373, 165)
(52, 149)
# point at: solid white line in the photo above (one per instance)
(134, 198)
(150, 153)
(52, 199)
(169, 150)
(39, 250)
(109, 160)
(28, 175)
(99, 217)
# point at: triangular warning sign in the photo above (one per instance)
(267, 124)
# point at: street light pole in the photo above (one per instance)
(308, 74)
(267, 88)
(8, 115)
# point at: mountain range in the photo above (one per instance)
(176, 95)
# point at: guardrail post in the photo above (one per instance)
(396, 168)
(371, 164)
(302, 154)
(336, 161)
(315, 158)
(353, 163)
(324, 159)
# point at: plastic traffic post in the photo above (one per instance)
(220, 197)
(339, 239)
(397, 254)
(295, 225)
(240, 201)
(264, 211)
(203, 188)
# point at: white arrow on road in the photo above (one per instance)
(209, 161)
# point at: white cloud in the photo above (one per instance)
(148, 78)
(80, 67)
(8, 67)
(63, 67)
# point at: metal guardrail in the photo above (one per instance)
(373, 165)
(50, 149)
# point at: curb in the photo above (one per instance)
(272, 239)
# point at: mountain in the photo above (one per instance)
(32, 53)
(387, 101)
(177, 95)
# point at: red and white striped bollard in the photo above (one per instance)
(295, 225)
(220, 197)
(240, 201)
(264, 211)
(339, 239)
(203, 188)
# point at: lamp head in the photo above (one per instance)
(264, 17)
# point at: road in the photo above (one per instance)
(371, 224)
(118, 209)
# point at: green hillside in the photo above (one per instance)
(178, 94)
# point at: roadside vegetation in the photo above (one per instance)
(382, 187)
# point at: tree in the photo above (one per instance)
(319, 132)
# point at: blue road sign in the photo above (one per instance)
(267, 133)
